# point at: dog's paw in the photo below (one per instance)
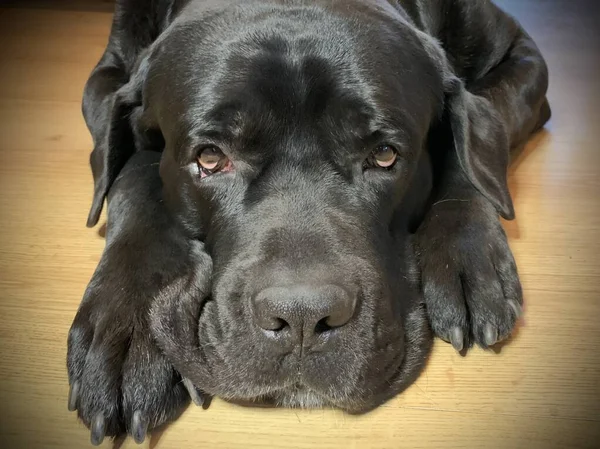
(119, 380)
(469, 276)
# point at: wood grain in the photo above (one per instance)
(541, 391)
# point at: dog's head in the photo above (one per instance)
(294, 148)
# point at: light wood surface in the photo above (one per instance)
(541, 391)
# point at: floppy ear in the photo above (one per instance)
(481, 139)
(111, 128)
(481, 143)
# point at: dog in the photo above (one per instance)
(301, 195)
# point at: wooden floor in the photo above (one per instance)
(541, 391)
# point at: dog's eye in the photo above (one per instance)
(212, 160)
(384, 156)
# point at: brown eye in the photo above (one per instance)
(212, 160)
(384, 156)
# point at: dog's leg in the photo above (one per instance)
(470, 279)
(120, 381)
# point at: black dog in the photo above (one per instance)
(297, 193)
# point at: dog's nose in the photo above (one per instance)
(299, 313)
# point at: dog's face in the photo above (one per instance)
(292, 139)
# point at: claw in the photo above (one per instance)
(196, 397)
(457, 338)
(516, 308)
(73, 396)
(207, 400)
(98, 429)
(139, 427)
(490, 334)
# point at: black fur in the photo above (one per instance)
(297, 94)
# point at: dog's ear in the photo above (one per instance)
(114, 138)
(481, 143)
(481, 140)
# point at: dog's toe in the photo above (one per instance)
(490, 334)
(516, 307)
(73, 396)
(197, 397)
(98, 429)
(457, 339)
(139, 427)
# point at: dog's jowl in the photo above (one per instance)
(300, 196)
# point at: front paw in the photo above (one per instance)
(119, 380)
(469, 276)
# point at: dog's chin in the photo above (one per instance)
(301, 395)
(294, 396)
(305, 397)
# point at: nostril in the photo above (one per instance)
(282, 324)
(273, 324)
(322, 326)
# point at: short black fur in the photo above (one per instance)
(300, 276)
